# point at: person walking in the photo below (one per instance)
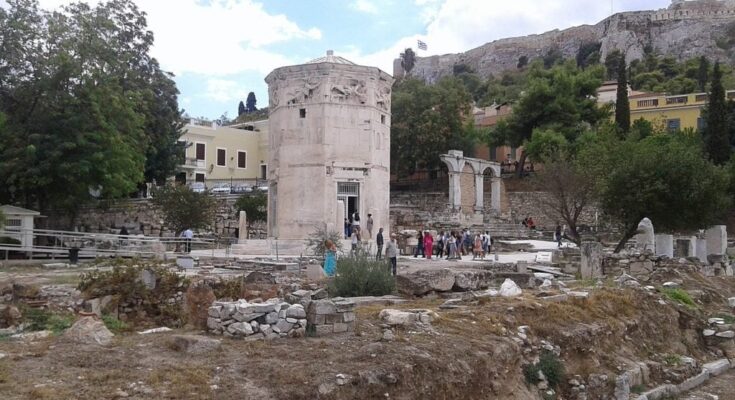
(428, 245)
(477, 248)
(391, 252)
(467, 242)
(558, 235)
(379, 242)
(356, 222)
(353, 251)
(188, 235)
(369, 225)
(452, 243)
(330, 258)
(420, 246)
(440, 245)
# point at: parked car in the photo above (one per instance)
(263, 188)
(223, 188)
(241, 188)
(198, 187)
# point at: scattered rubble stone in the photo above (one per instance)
(194, 344)
(510, 289)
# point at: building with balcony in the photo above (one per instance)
(224, 154)
(671, 112)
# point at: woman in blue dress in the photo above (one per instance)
(330, 258)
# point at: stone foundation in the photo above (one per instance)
(326, 317)
(270, 320)
(276, 319)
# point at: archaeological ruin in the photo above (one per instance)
(329, 146)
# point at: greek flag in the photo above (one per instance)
(422, 45)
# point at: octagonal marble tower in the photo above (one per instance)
(329, 146)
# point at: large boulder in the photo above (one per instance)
(89, 330)
(472, 280)
(422, 282)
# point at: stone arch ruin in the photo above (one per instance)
(464, 169)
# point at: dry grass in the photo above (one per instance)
(185, 381)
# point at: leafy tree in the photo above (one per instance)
(553, 57)
(254, 205)
(507, 89)
(663, 177)
(622, 104)
(408, 60)
(717, 142)
(569, 190)
(588, 54)
(612, 61)
(241, 109)
(182, 208)
(703, 74)
(429, 120)
(641, 129)
(250, 102)
(86, 106)
(522, 62)
(562, 99)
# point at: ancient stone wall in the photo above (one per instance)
(416, 210)
(529, 204)
(139, 216)
(276, 319)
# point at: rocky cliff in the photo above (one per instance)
(707, 34)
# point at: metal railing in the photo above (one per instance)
(53, 243)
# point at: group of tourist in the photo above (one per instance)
(453, 244)
(529, 223)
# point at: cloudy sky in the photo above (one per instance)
(222, 49)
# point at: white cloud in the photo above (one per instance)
(222, 37)
(224, 91)
(366, 6)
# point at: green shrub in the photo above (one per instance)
(552, 367)
(362, 276)
(672, 359)
(679, 296)
(36, 318)
(124, 282)
(317, 239)
(42, 320)
(114, 324)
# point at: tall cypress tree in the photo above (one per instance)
(241, 109)
(250, 102)
(622, 104)
(703, 73)
(716, 133)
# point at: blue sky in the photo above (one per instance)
(222, 49)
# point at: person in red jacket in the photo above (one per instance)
(428, 245)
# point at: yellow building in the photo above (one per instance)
(671, 112)
(225, 154)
